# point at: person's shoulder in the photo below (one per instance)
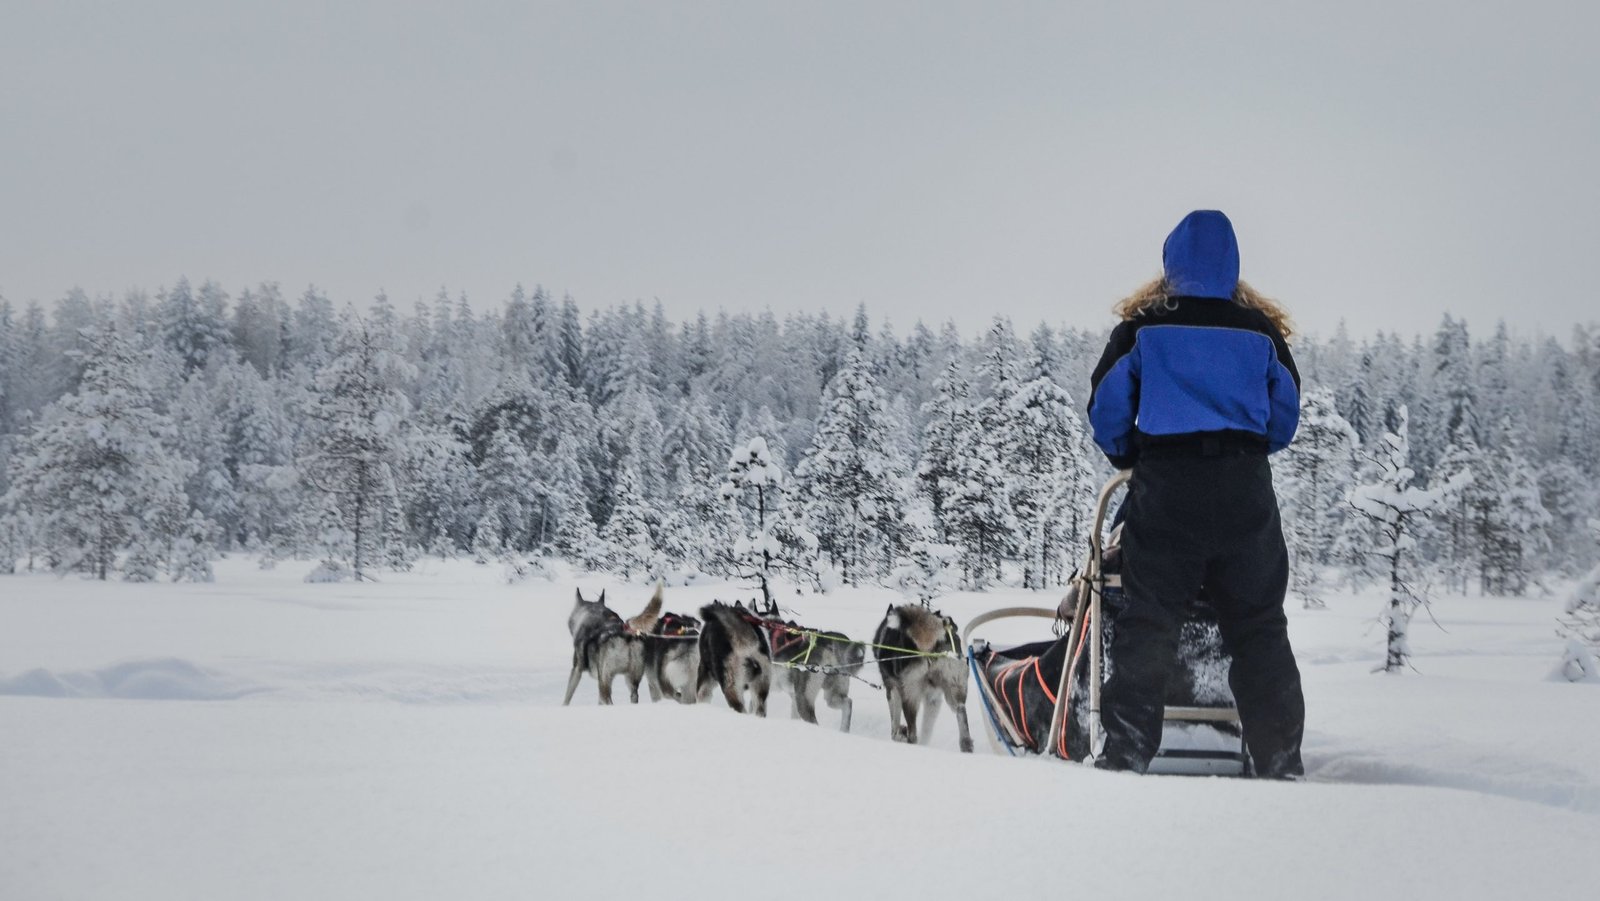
(1224, 314)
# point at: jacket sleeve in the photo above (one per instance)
(1283, 396)
(1114, 397)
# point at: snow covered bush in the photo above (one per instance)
(330, 571)
(929, 570)
(521, 569)
(193, 552)
(1580, 625)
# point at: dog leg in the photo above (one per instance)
(908, 706)
(605, 686)
(572, 681)
(761, 685)
(897, 731)
(634, 669)
(930, 715)
(836, 692)
(805, 688)
(732, 690)
(956, 697)
(652, 674)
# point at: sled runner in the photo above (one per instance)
(1044, 697)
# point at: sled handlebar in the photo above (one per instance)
(1103, 506)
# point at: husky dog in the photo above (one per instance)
(605, 646)
(734, 655)
(914, 682)
(816, 662)
(672, 659)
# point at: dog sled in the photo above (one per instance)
(1043, 697)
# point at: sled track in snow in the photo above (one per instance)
(1516, 778)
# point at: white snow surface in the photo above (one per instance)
(260, 737)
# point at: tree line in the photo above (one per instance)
(144, 435)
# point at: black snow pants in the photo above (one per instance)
(1197, 520)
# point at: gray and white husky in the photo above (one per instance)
(672, 659)
(813, 663)
(734, 655)
(606, 646)
(929, 667)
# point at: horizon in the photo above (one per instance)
(1477, 330)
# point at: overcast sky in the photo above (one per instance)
(1382, 162)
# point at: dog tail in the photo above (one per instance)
(646, 620)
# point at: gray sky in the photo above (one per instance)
(1382, 162)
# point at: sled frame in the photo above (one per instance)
(1091, 582)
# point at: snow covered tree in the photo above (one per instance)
(1050, 484)
(1458, 536)
(1394, 505)
(982, 518)
(949, 421)
(98, 471)
(191, 561)
(201, 436)
(511, 496)
(850, 480)
(323, 527)
(195, 328)
(630, 549)
(399, 551)
(1512, 523)
(1311, 477)
(1580, 624)
(767, 541)
(360, 413)
(487, 543)
(694, 526)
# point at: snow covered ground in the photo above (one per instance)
(264, 738)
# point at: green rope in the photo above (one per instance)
(906, 652)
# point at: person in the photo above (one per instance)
(1195, 389)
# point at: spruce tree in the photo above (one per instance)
(948, 418)
(1311, 477)
(1049, 478)
(850, 482)
(630, 549)
(361, 416)
(767, 537)
(98, 471)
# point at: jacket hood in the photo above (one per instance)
(1201, 256)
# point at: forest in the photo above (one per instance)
(142, 436)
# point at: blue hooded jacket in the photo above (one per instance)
(1201, 256)
(1199, 367)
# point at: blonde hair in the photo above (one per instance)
(1156, 296)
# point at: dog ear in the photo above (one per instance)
(602, 601)
(580, 595)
